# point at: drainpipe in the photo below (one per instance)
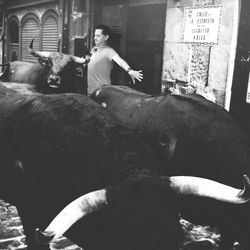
(232, 55)
(65, 32)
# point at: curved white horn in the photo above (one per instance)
(189, 185)
(44, 54)
(81, 60)
(73, 212)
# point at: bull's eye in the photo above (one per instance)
(44, 61)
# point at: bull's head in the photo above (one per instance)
(181, 186)
(61, 67)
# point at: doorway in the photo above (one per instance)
(138, 28)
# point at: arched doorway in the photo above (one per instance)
(13, 35)
(29, 29)
(49, 33)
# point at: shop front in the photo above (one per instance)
(27, 20)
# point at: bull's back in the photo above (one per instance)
(199, 137)
(73, 133)
(25, 72)
(210, 143)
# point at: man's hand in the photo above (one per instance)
(136, 75)
(87, 58)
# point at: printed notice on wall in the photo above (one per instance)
(202, 24)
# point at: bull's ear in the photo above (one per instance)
(44, 61)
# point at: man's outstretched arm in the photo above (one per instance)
(134, 74)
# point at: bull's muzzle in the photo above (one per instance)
(54, 81)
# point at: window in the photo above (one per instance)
(49, 34)
(14, 32)
(30, 29)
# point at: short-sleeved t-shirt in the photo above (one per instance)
(99, 68)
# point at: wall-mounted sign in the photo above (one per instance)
(202, 24)
(203, 2)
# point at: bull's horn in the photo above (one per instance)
(73, 212)
(31, 43)
(188, 185)
(2, 36)
(245, 193)
(43, 54)
(81, 60)
(6, 70)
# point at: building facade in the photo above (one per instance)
(187, 46)
(25, 20)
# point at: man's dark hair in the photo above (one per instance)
(105, 29)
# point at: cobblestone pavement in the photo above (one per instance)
(12, 235)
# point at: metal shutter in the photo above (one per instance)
(50, 34)
(30, 29)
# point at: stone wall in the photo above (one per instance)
(204, 67)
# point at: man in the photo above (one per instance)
(101, 61)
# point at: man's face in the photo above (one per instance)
(99, 38)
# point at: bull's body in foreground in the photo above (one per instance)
(24, 72)
(191, 135)
(55, 148)
(55, 73)
(210, 199)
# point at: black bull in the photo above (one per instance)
(55, 73)
(55, 148)
(192, 135)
